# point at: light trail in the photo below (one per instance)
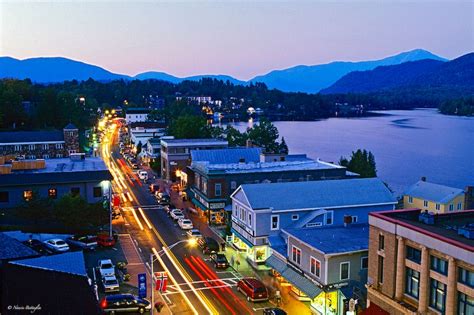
(136, 218)
(145, 218)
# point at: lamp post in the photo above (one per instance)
(191, 241)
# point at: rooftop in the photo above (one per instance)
(433, 192)
(334, 240)
(14, 249)
(148, 124)
(12, 137)
(70, 126)
(193, 142)
(70, 262)
(228, 155)
(445, 227)
(137, 110)
(318, 194)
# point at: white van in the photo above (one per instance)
(143, 175)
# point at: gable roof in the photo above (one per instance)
(433, 192)
(318, 194)
(11, 248)
(227, 156)
(30, 136)
(71, 262)
(70, 126)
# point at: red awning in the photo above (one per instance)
(374, 309)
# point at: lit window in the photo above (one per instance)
(52, 193)
(437, 295)
(412, 283)
(344, 270)
(28, 195)
(315, 267)
(296, 255)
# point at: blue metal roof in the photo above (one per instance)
(318, 194)
(277, 243)
(71, 262)
(70, 126)
(334, 240)
(30, 136)
(433, 192)
(227, 156)
(11, 248)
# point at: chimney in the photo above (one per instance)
(248, 143)
(423, 179)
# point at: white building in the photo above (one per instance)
(136, 114)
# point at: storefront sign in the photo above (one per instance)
(216, 205)
(142, 285)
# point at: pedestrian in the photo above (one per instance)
(237, 262)
(232, 261)
(223, 246)
(278, 297)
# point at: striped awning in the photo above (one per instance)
(303, 284)
(276, 264)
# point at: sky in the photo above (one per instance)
(239, 38)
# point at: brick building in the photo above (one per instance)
(40, 144)
(421, 263)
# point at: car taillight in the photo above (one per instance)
(103, 303)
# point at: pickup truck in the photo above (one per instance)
(83, 241)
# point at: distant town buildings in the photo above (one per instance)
(421, 263)
(136, 114)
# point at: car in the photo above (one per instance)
(57, 245)
(106, 268)
(185, 224)
(253, 289)
(163, 198)
(154, 188)
(38, 246)
(124, 303)
(143, 175)
(83, 241)
(208, 245)
(193, 233)
(220, 261)
(105, 240)
(273, 311)
(176, 214)
(110, 284)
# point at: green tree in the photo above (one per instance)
(265, 135)
(234, 137)
(36, 209)
(189, 127)
(74, 212)
(361, 162)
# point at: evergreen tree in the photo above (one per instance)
(361, 162)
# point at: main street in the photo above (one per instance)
(194, 286)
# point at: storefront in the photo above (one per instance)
(328, 303)
(256, 254)
(214, 211)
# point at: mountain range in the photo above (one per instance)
(302, 78)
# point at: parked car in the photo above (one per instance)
(176, 214)
(110, 284)
(253, 289)
(193, 233)
(38, 246)
(154, 188)
(163, 198)
(220, 261)
(83, 241)
(208, 245)
(185, 224)
(106, 268)
(273, 311)
(124, 303)
(143, 175)
(57, 245)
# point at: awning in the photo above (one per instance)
(243, 239)
(228, 207)
(199, 204)
(276, 263)
(303, 284)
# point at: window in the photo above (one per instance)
(329, 217)
(45, 146)
(97, 192)
(413, 254)
(459, 206)
(410, 199)
(28, 195)
(59, 145)
(466, 277)
(75, 191)
(295, 217)
(275, 222)
(314, 224)
(4, 196)
(354, 219)
(438, 206)
(204, 186)
(233, 185)
(59, 155)
(218, 189)
(364, 262)
(380, 268)
(439, 265)
(465, 304)
(296, 254)
(344, 270)
(425, 203)
(451, 207)
(45, 156)
(315, 266)
(250, 219)
(437, 295)
(242, 214)
(381, 242)
(412, 283)
(31, 147)
(52, 193)
(17, 148)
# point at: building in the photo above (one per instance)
(40, 144)
(260, 211)
(176, 155)
(215, 174)
(153, 149)
(197, 99)
(420, 263)
(136, 114)
(434, 198)
(141, 132)
(54, 178)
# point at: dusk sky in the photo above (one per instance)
(239, 38)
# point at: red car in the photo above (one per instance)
(253, 289)
(105, 240)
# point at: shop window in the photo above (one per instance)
(4, 196)
(466, 277)
(380, 269)
(296, 255)
(364, 262)
(439, 265)
(28, 195)
(53, 193)
(344, 271)
(381, 241)
(315, 267)
(465, 304)
(75, 191)
(275, 222)
(437, 295)
(218, 189)
(97, 192)
(412, 283)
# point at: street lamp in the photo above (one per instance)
(192, 242)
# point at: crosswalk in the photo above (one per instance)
(204, 285)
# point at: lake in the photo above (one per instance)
(407, 144)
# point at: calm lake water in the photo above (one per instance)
(407, 144)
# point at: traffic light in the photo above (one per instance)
(106, 203)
